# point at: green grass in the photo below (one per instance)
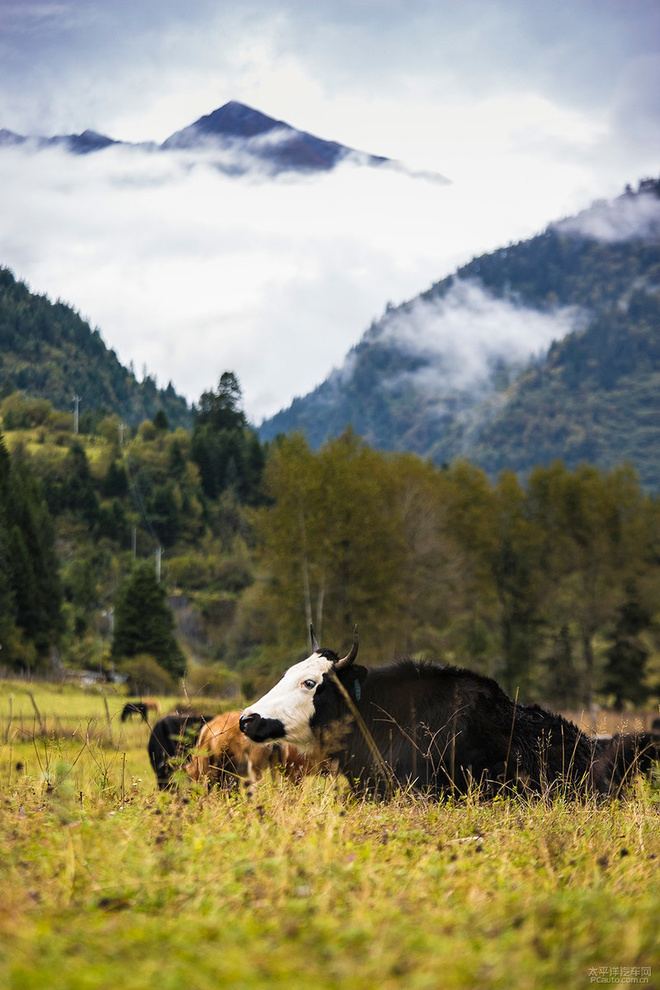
(106, 882)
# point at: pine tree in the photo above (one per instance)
(144, 622)
(31, 585)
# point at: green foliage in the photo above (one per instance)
(594, 397)
(30, 590)
(49, 352)
(226, 450)
(115, 482)
(624, 674)
(73, 490)
(19, 412)
(212, 681)
(331, 540)
(520, 583)
(220, 408)
(144, 622)
(523, 582)
(161, 421)
(146, 676)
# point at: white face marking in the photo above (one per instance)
(291, 701)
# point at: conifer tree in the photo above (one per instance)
(31, 585)
(144, 622)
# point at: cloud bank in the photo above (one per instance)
(627, 218)
(467, 333)
(190, 272)
(531, 110)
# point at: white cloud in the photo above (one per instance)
(625, 218)
(531, 111)
(193, 273)
(463, 334)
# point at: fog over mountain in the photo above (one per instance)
(629, 217)
(235, 138)
(532, 110)
(436, 372)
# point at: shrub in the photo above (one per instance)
(146, 676)
(212, 681)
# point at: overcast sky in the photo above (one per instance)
(531, 109)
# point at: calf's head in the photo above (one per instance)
(307, 701)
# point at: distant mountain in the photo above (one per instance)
(48, 351)
(77, 144)
(235, 138)
(247, 132)
(546, 349)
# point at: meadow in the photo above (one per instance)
(106, 882)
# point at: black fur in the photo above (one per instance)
(442, 728)
(134, 708)
(172, 738)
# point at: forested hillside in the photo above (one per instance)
(155, 553)
(80, 513)
(48, 351)
(423, 379)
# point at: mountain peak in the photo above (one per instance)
(233, 120)
(236, 126)
(239, 120)
(236, 139)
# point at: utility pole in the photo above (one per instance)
(77, 400)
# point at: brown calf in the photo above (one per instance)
(225, 756)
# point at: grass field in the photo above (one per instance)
(108, 883)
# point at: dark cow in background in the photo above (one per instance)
(171, 740)
(141, 708)
(134, 708)
(622, 756)
(434, 727)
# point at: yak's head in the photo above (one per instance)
(309, 700)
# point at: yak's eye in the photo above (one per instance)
(309, 683)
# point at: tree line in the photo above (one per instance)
(549, 584)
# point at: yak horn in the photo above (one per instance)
(351, 655)
(315, 645)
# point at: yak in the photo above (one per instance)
(141, 708)
(171, 740)
(433, 727)
(134, 708)
(223, 755)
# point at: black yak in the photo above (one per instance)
(170, 742)
(134, 708)
(437, 728)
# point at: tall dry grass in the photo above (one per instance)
(106, 882)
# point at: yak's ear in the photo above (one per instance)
(353, 679)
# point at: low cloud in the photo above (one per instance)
(465, 335)
(192, 272)
(629, 217)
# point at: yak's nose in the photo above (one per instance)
(246, 720)
(260, 729)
